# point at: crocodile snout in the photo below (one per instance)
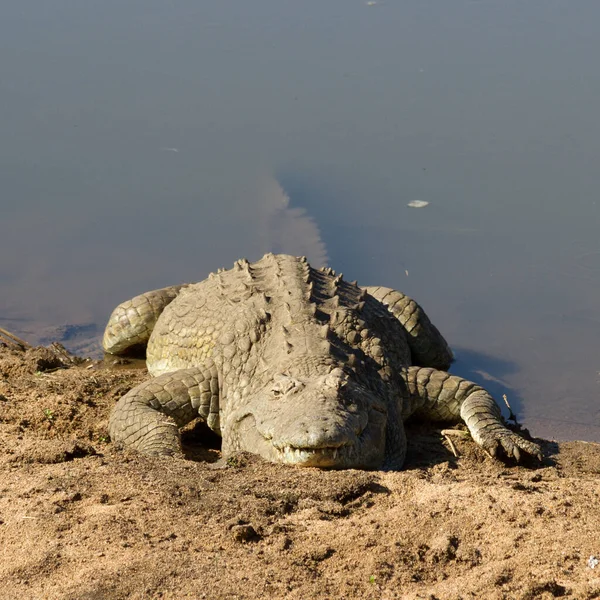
(319, 431)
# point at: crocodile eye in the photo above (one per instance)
(337, 379)
(284, 385)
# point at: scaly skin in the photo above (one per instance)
(294, 364)
(132, 322)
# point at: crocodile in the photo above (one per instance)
(294, 364)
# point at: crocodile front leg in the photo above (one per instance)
(149, 416)
(427, 345)
(132, 322)
(441, 396)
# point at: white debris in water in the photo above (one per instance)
(593, 562)
(417, 203)
(170, 149)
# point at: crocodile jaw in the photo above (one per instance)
(362, 451)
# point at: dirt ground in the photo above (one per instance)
(80, 519)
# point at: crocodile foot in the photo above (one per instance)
(511, 443)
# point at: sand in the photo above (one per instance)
(81, 519)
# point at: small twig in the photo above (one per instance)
(45, 375)
(452, 446)
(65, 357)
(456, 433)
(511, 416)
(11, 337)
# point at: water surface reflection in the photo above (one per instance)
(146, 144)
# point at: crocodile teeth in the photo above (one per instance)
(294, 455)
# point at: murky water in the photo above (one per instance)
(147, 143)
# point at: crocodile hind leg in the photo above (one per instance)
(440, 396)
(132, 322)
(427, 345)
(149, 416)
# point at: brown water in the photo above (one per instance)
(147, 143)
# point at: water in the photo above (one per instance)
(148, 143)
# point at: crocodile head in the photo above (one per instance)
(327, 420)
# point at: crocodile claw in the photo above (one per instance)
(511, 443)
